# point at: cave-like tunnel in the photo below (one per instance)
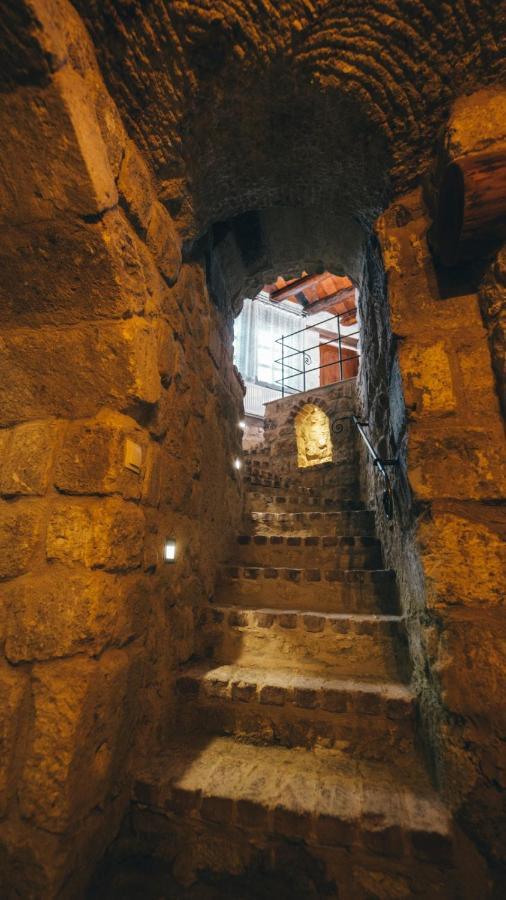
(236, 664)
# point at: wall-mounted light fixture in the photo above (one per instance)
(169, 550)
(242, 424)
(237, 463)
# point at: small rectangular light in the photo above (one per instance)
(242, 424)
(169, 551)
(237, 463)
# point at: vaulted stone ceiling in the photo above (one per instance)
(244, 104)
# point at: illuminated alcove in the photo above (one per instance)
(312, 430)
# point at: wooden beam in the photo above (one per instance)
(346, 297)
(472, 203)
(294, 287)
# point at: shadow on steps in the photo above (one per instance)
(145, 878)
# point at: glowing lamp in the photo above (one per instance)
(242, 424)
(169, 551)
(237, 463)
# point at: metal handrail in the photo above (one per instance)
(378, 461)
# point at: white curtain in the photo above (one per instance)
(256, 351)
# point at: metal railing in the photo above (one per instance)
(291, 370)
(378, 462)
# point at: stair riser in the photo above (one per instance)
(365, 736)
(344, 477)
(278, 502)
(327, 557)
(211, 832)
(376, 655)
(359, 523)
(317, 596)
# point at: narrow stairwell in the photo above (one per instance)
(298, 720)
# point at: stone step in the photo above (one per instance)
(290, 474)
(312, 589)
(323, 798)
(327, 645)
(294, 488)
(345, 552)
(305, 524)
(274, 501)
(369, 719)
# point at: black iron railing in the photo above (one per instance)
(379, 462)
(295, 363)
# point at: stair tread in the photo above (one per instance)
(287, 678)
(328, 616)
(310, 540)
(318, 783)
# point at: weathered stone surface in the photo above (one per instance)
(93, 455)
(476, 645)
(65, 270)
(84, 369)
(64, 613)
(180, 73)
(20, 535)
(136, 186)
(13, 690)
(101, 535)
(476, 121)
(63, 180)
(163, 241)
(464, 559)
(337, 62)
(493, 303)
(26, 454)
(435, 455)
(451, 454)
(428, 382)
(84, 713)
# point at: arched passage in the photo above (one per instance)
(215, 111)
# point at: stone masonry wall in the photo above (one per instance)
(337, 401)
(428, 392)
(108, 344)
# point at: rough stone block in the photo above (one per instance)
(26, 457)
(60, 163)
(471, 666)
(272, 695)
(163, 241)
(85, 711)
(427, 378)
(78, 370)
(477, 455)
(464, 560)
(13, 686)
(20, 535)
(93, 455)
(136, 186)
(108, 535)
(63, 271)
(61, 613)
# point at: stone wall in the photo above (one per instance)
(108, 337)
(336, 401)
(110, 346)
(428, 392)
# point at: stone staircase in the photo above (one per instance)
(297, 720)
